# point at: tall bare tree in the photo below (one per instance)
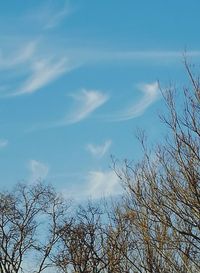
(163, 191)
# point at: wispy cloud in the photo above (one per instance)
(32, 67)
(158, 57)
(43, 72)
(56, 17)
(151, 54)
(150, 95)
(22, 55)
(87, 102)
(47, 15)
(38, 171)
(3, 143)
(99, 150)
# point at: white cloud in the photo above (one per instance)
(56, 17)
(43, 72)
(32, 67)
(23, 55)
(38, 171)
(3, 143)
(150, 95)
(98, 55)
(87, 102)
(26, 53)
(99, 150)
(102, 184)
(47, 15)
(95, 185)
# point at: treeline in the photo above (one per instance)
(154, 228)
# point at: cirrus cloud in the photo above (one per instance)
(3, 143)
(150, 93)
(38, 170)
(99, 150)
(43, 72)
(87, 102)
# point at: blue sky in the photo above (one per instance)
(77, 80)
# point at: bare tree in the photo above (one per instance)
(162, 203)
(30, 218)
(82, 249)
